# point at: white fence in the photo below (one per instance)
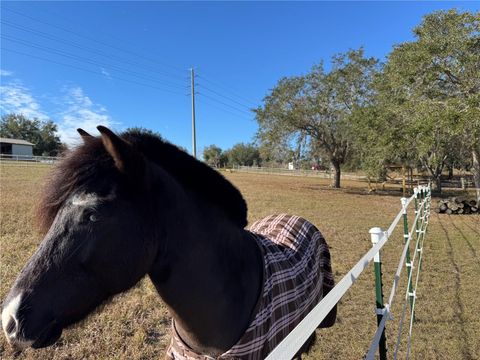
(294, 341)
(27, 159)
(325, 174)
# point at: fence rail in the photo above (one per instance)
(298, 336)
(28, 159)
(463, 181)
(324, 174)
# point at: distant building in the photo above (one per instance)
(15, 147)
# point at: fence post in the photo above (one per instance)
(376, 234)
(408, 262)
(416, 193)
(422, 199)
(425, 216)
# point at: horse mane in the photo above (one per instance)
(90, 164)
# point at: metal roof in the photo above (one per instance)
(15, 141)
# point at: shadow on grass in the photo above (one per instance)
(469, 244)
(459, 309)
(476, 229)
(357, 190)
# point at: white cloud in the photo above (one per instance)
(17, 98)
(5, 73)
(81, 112)
(73, 110)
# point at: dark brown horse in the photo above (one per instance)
(119, 207)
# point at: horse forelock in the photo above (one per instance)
(81, 169)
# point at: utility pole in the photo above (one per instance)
(194, 140)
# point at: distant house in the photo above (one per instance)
(15, 147)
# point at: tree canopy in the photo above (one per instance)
(421, 108)
(427, 98)
(212, 155)
(315, 109)
(243, 154)
(43, 134)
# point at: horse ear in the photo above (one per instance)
(85, 135)
(128, 160)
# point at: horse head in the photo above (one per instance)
(98, 243)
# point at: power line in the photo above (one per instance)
(86, 60)
(223, 96)
(223, 103)
(82, 47)
(96, 63)
(116, 59)
(90, 71)
(96, 40)
(194, 136)
(228, 89)
(209, 103)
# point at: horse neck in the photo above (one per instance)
(209, 276)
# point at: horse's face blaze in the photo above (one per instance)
(95, 248)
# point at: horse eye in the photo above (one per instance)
(93, 218)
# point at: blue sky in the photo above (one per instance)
(124, 64)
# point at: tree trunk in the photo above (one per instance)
(438, 183)
(436, 174)
(337, 172)
(450, 172)
(476, 171)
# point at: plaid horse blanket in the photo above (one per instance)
(297, 272)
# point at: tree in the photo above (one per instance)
(316, 108)
(212, 155)
(42, 134)
(274, 155)
(428, 95)
(449, 45)
(142, 130)
(243, 154)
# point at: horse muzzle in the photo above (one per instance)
(21, 334)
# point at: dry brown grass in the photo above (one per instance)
(135, 325)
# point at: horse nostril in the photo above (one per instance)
(11, 326)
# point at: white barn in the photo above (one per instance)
(15, 147)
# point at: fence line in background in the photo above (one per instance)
(27, 159)
(465, 182)
(324, 174)
(298, 336)
(462, 182)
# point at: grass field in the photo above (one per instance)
(135, 325)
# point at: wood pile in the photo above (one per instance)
(457, 205)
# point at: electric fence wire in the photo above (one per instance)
(410, 277)
(419, 267)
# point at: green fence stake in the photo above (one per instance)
(422, 199)
(408, 262)
(376, 234)
(416, 192)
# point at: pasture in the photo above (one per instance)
(136, 325)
